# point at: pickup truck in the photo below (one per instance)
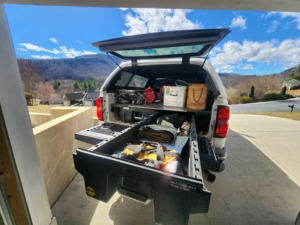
(157, 61)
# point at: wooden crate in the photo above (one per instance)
(197, 96)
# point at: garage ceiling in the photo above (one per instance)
(269, 5)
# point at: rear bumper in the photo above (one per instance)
(221, 153)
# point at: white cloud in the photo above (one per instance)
(54, 40)
(239, 22)
(79, 42)
(37, 48)
(225, 68)
(89, 52)
(156, 20)
(242, 55)
(294, 15)
(273, 26)
(246, 67)
(287, 25)
(22, 49)
(71, 52)
(42, 57)
(63, 50)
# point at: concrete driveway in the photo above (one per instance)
(272, 106)
(277, 138)
(260, 184)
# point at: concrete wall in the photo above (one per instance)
(55, 144)
(60, 111)
(39, 118)
(96, 121)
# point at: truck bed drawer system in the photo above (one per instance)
(175, 195)
(105, 131)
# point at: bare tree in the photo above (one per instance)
(30, 75)
(44, 92)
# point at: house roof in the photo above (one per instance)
(293, 81)
(73, 96)
(92, 95)
(56, 100)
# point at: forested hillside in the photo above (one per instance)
(239, 86)
(88, 73)
(95, 67)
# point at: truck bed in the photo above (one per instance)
(175, 195)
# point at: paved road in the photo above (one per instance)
(260, 184)
(273, 106)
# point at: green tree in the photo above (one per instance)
(85, 85)
(29, 98)
(252, 90)
(56, 85)
(76, 86)
(283, 90)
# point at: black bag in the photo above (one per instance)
(130, 97)
(176, 119)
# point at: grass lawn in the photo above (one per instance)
(287, 115)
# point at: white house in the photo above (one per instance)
(71, 98)
(291, 83)
(89, 98)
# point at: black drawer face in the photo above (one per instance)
(104, 175)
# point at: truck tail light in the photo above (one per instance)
(99, 104)
(222, 121)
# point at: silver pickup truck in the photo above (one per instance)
(157, 61)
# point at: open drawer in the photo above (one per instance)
(175, 195)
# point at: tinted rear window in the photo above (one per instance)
(123, 79)
(128, 79)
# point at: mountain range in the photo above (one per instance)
(87, 67)
(98, 67)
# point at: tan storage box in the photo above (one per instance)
(175, 96)
(197, 96)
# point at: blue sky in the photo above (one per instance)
(259, 43)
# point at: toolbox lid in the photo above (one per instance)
(184, 43)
